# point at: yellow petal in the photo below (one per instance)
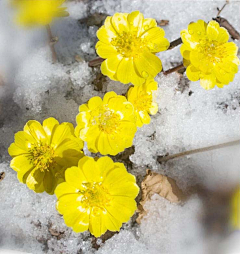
(105, 35)
(105, 50)
(75, 176)
(49, 125)
(192, 73)
(185, 51)
(97, 226)
(212, 30)
(156, 38)
(154, 108)
(63, 131)
(15, 150)
(223, 35)
(79, 221)
(208, 82)
(95, 102)
(68, 202)
(103, 145)
(21, 162)
(49, 182)
(111, 222)
(145, 117)
(148, 65)
(148, 24)
(110, 65)
(87, 163)
(135, 21)
(35, 129)
(109, 95)
(187, 39)
(82, 223)
(119, 22)
(65, 188)
(83, 107)
(125, 189)
(105, 164)
(23, 140)
(35, 179)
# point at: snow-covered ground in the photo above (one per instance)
(189, 117)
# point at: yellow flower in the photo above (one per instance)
(235, 214)
(129, 43)
(39, 12)
(208, 55)
(108, 126)
(143, 102)
(41, 153)
(97, 195)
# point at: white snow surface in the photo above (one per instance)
(189, 117)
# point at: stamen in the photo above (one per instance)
(129, 44)
(42, 156)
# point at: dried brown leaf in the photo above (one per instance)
(155, 183)
(163, 22)
(2, 175)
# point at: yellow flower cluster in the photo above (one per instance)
(98, 194)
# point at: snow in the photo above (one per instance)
(189, 117)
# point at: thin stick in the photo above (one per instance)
(179, 67)
(200, 150)
(219, 11)
(95, 62)
(175, 43)
(52, 40)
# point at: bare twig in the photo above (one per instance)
(175, 43)
(179, 67)
(52, 40)
(95, 62)
(232, 31)
(220, 10)
(200, 150)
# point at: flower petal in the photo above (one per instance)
(105, 50)
(192, 73)
(64, 189)
(135, 21)
(208, 82)
(49, 126)
(212, 30)
(35, 179)
(97, 226)
(95, 102)
(75, 176)
(148, 65)
(63, 131)
(35, 129)
(120, 23)
(110, 65)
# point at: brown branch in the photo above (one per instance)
(179, 67)
(220, 10)
(175, 43)
(232, 31)
(52, 40)
(95, 62)
(200, 150)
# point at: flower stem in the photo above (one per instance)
(179, 67)
(200, 150)
(52, 40)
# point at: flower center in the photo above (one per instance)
(143, 102)
(211, 50)
(95, 196)
(42, 156)
(107, 120)
(129, 44)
